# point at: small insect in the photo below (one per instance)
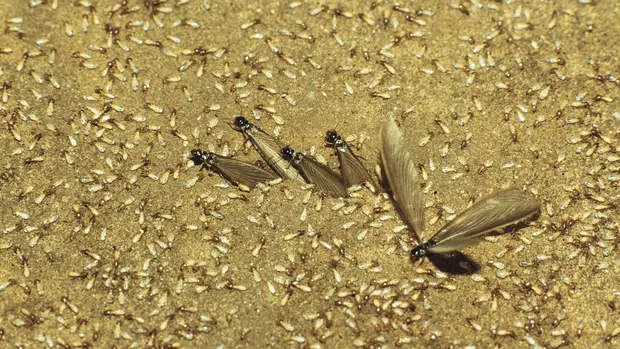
(488, 214)
(314, 172)
(352, 169)
(234, 171)
(268, 147)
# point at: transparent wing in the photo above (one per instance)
(239, 172)
(353, 171)
(269, 149)
(490, 213)
(403, 177)
(322, 176)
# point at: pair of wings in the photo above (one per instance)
(352, 169)
(239, 172)
(320, 175)
(269, 149)
(487, 214)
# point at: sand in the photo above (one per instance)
(110, 238)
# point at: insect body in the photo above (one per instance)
(316, 173)
(352, 169)
(268, 147)
(490, 213)
(234, 171)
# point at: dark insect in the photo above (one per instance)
(314, 172)
(268, 147)
(488, 214)
(352, 169)
(234, 171)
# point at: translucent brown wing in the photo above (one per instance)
(402, 176)
(322, 176)
(352, 169)
(239, 172)
(269, 148)
(490, 213)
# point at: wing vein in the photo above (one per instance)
(269, 148)
(402, 177)
(240, 172)
(488, 214)
(323, 177)
(353, 171)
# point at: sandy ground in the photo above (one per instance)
(109, 238)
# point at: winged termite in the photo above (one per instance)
(488, 214)
(234, 171)
(352, 169)
(314, 172)
(268, 147)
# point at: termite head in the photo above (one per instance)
(420, 251)
(288, 153)
(333, 139)
(200, 157)
(242, 123)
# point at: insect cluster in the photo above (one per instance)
(96, 97)
(492, 212)
(286, 163)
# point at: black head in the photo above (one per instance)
(287, 153)
(200, 157)
(420, 251)
(242, 123)
(333, 139)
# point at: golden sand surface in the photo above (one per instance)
(110, 238)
